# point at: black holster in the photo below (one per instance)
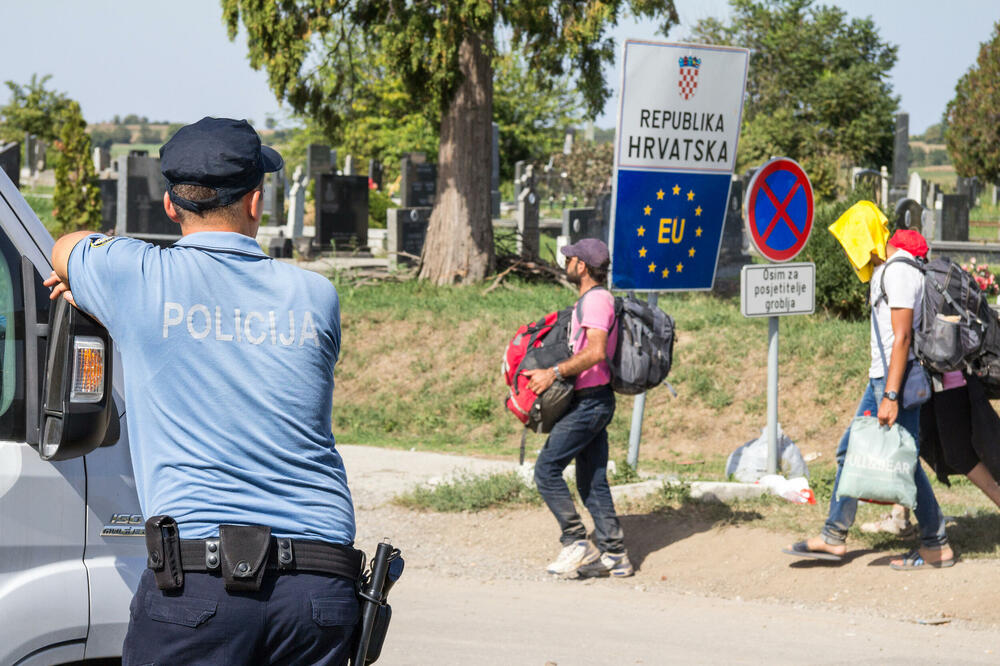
(163, 545)
(245, 550)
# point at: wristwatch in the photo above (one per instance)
(891, 395)
(555, 369)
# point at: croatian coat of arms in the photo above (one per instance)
(688, 81)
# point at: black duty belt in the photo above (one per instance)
(284, 556)
(591, 390)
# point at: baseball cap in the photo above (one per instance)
(590, 251)
(220, 153)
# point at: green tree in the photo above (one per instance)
(149, 134)
(443, 51)
(973, 133)
(532, 112)
(100, 138)
(817, 86)
(32, 109)
(76, 202)
(121, 134)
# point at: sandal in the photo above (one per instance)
(801, 549)
(913, 561)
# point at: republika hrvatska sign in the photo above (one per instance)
(679, 118)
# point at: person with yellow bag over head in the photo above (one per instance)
(863, 233)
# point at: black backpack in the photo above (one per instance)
(645, 348)
(959, 330)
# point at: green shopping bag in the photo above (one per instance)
(880, 464)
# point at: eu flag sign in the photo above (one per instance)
(668, 228)
(675, 150)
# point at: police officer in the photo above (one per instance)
(228, 358)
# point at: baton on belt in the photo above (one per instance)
(386, 568)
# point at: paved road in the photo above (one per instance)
(443, 619)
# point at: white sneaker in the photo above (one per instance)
(573, 556)
(615, 566)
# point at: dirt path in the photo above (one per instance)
(475, 591)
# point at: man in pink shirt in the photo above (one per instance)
(581, 433)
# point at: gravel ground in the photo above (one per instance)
(494, 561)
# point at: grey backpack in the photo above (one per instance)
(645, 344)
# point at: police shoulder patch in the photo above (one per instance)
(98, 242)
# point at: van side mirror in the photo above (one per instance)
(77, 404)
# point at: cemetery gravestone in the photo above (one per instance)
(909, 215)
(914, 189)
(495, 173)
(318, 160)
(109, 202)
(10, 161)
(407, 230)
(29, 152)
(102, 159)
(418, 184)
(579, 223)
(970, 188)
(932, 194)
(732, 251)
(274, 198)
(140, 201)
(41, 153)
(901, 152)
(375, 173)
(954, 217)
(527, 217)
(341, 212)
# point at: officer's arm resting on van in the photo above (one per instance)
(59, 279)
(595, 352)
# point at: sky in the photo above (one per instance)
(173, 61)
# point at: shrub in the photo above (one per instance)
(378, 203)
(838, 289)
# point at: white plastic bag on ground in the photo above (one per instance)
(748, 463)
(794, 490)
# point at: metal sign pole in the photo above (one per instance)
(635, 432)
(772, 395)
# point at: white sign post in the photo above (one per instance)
(779, 217)
(679, 116)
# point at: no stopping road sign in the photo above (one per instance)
(779, 209)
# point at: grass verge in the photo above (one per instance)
(471, 493)
(420, 364)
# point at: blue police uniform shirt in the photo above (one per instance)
(228, 358)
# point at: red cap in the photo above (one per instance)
(911, 241)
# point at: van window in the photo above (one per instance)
(12, 418)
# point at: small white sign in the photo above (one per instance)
(773, 290)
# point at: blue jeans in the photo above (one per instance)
(295, 618)
(927, 512)
(581, 434)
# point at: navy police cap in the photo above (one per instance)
(219, 153)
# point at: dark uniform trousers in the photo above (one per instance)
(295, 618)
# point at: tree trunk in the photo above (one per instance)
(459, 244)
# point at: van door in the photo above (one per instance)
(43, 580)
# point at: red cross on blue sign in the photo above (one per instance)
(779, 209)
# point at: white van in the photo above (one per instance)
(71, 532)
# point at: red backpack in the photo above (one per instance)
(540, 344)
